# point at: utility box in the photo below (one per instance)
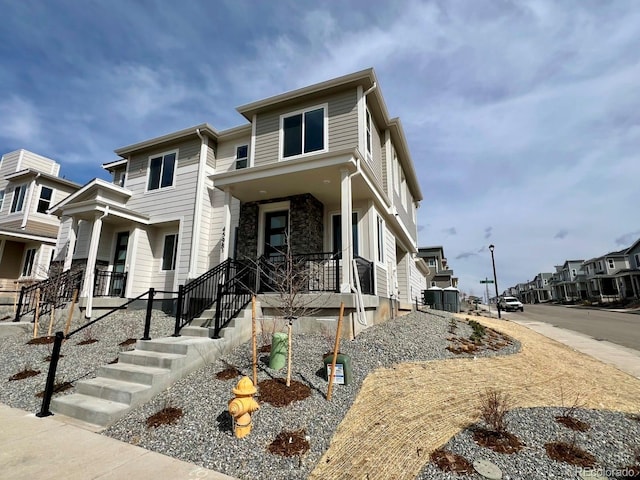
(344, 372)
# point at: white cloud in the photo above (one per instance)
(20, 120)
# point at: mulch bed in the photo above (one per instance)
(166, 416)
(451, 462)
(26, 373)
(275, 392)
(573, 423)
(57, 388)
(88, 341)
(289, 444)
(501, 442)
(569, 453)
(127, 342)
(228, 373)
(41, 341)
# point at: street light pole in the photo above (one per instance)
(495, 279)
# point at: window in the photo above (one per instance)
(611, 263)
(29, 258)
(432, 262)
(599, 265)
(120, 178)
(396, 172)
(303, 132)
(18, 198)
(242, 156)
(637, 257)
(403, 190)
(368, 128)
(573, 272)
(169, 252)
(161, 171)
(336, 224)
(45, 199)
(1, 199)
(380, 232)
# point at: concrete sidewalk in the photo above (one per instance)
(623, 358)
(50, 448)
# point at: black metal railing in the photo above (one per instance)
(54, 291)
(200, 293)
(309, 272)
(109, 284)
(232, 297)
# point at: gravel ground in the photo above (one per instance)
(612, 438)
(203, 435)
(79, 361)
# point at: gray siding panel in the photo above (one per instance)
(188, 154)
(343, 125)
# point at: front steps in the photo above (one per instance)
(151, 368)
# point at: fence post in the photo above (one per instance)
(19, 306)
(147, 319)
(51, 377)
(218, 308)
(176, 331)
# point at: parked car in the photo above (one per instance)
(510, 304)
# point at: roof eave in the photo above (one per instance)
(203, 128)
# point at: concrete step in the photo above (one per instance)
(128, 372)
(179, 345)
(196, 331)
(115, 390)
(86, 408)
(152, 359)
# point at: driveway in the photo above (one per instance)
(619, 328)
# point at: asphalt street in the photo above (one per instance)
(619, 328)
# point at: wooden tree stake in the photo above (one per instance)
(336, 348)
(36, 318)
(289, 331)
(52, 316)
(73, 305)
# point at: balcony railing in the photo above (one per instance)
(109, 284)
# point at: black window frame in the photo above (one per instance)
(169, 262)
(44, 203)
(157, 171)
(17, 203)
(336, 234)
(242, 161)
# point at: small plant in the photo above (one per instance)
(451, 462)
(569, 452)
(267, 330)
(479, 331)
(88, 336)
(167, 415)
(568, 418)
(57, 388)
(494, 406)
(453, 325)
(275, 392)
(228, 373)
(24, 373)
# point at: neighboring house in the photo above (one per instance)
(29, 186)
(323, 171)
(537, 290)
(604, 276)
(568, 283)
(629, 278)
(439, 273)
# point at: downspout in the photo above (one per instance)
(89, 306)
(361, 321)
(197, 208)
(371, 89)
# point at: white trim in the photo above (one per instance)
(263, 209)
(388, 163)
(175, 171)
(197, 207)
(252, 148)
(20, 157)
(360, 105)
(130, 267)
(325, 140)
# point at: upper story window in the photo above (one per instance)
(403, 191)
(612, 264)
(18, 198)
(1, 199)
(368, 129)
(637, 257)
(161, 171)
(46, 194)
(304, 132)
(432, 262)
(120, 177)
(573, 272)
(242, 156)
(599, 265)
(396, 172)
(169, 252)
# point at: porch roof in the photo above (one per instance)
(99, 196)
(318, 175)
(26, 236)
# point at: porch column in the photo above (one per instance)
(634, 279)
(87, 286)
(71, 244)
(224, 251)
(347, 235)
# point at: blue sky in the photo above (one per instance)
(522, 117)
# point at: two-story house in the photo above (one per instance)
(569, 282)
(629, 278)
(602, 280)
(537, 290)
(29, 185)
(322, 172)
(440, 275)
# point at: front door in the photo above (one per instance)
(275, 233)
(118, 276)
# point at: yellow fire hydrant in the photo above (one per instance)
(243, 406)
